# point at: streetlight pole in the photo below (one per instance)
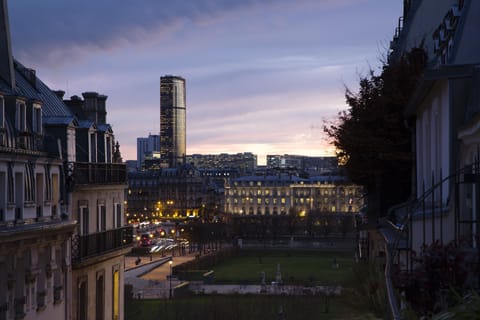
(170, 292)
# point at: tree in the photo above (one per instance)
(373, 142)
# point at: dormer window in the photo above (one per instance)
(2, 113)
(93, 147)
(37, 118)
(2, 121)
(20, 117)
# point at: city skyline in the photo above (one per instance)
(262, 77)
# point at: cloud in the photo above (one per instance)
(261, 74)
(53, 30)
(59, 31)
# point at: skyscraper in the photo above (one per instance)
(146, 146)
(172, 120)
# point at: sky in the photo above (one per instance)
(262, 76)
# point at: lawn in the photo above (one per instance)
(296, 267)
(249, 307)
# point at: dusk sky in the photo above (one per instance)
(262, 76)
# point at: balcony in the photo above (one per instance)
(97, 244)
(87, 173)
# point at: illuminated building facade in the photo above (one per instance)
(278, 195)
(164, 193)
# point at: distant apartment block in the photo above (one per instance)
(147, 147)
(245, 163)
(165, 193)
(279, 194)
(311, 165)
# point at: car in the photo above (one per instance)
(145, 240)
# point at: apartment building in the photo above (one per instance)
(278, 194)
(62, 183)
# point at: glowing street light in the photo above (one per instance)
(170, 294)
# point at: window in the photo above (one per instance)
(84, 219)
(82, 311)
(29, 183)
(37, 119)
(108, 149)
(2, 113)
(10, 184)
(39, 193)
(101, 218)
(93, 147)
(100, 297)
(48, 184)
(20, 117)
(117, 215)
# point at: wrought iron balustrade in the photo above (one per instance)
(96, 244)
(84, 173)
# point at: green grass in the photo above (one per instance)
(249, 307)
(297, 267)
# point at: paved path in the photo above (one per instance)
(149, 278)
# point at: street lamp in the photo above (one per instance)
(170, 294)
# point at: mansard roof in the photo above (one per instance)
(33, 88)
(105, 127)
(86, 124)
(66, 121)
(272, 178)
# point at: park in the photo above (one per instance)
(265, 283)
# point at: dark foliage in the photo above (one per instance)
(371, 137)
(440, 270)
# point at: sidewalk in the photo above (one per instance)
(149, 278)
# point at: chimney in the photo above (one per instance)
(101, 109)
(90, 107)
(31, 76)
(59, 93)
(75, 104)
(6, 60)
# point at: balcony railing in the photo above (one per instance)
(98, 173)
(97, 244)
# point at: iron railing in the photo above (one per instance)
(429, 211)
(96, 244)
(84, 173)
